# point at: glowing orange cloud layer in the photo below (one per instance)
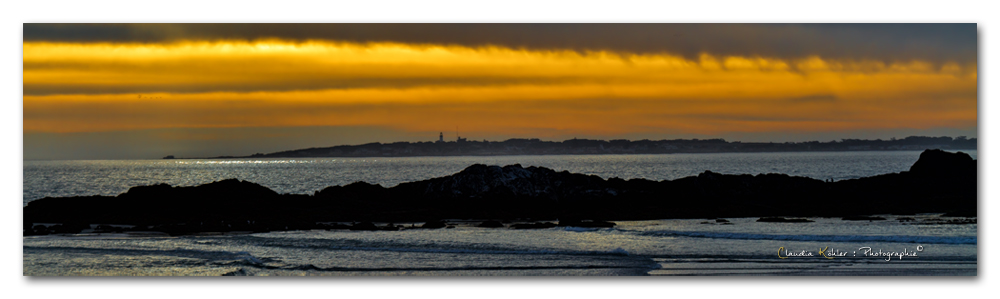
(109, 87)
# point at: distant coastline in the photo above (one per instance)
(512, 147)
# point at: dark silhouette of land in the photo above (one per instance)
(464, 147)
(939, 182)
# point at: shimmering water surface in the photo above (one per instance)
(657, 247)
(305, 176)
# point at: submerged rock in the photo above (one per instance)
(938, 221)
(365, 226)
(434, 224)
(535, 225)
(783, 219)
(490, 224)
(961, 213)
(586, 223)
(862, 218)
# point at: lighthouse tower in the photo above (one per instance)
(441, 137)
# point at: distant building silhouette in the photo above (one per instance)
(441, 137)
(458, 139)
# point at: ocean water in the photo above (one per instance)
(305, 176)
(656, 247)
(659, 247)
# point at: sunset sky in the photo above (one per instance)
(132, 91)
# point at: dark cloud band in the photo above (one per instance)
(885, 42)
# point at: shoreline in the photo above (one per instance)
(269, 156)
(695, 253)
(129, 231)
(535, 146)
(498, 155)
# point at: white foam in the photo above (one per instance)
(249, 257)
(821, 238)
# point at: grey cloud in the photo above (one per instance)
(885, 42)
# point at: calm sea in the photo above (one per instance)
(305, 176)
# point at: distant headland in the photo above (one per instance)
(510, 147)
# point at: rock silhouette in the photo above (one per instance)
(939, 182)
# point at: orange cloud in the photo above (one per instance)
(78, 87)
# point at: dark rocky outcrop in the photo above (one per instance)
(939, 182)
(490, 224)
(935, 163)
